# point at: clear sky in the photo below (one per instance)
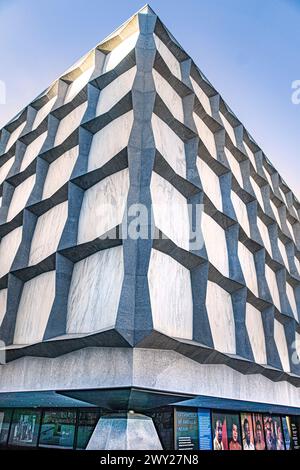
(248, 49)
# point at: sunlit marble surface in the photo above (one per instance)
(221, 319)
(206, 135)
(105, 145)
(95, 291)
(210, 183)
(169, 145)
(241, 213)
(280, 340)
(171, 296)
(168, 57)
(8, 248)
(33, 150)
(59, 172)
(34, 308)
(112, 93)
(248, 267)
(3, 298)
(256, 334)
(272, 283)
(20, 197)
(167, 93)
(119, 52)
(103, 206)
(170, 211)
(69, 123)
(48, 232)
(215, 242)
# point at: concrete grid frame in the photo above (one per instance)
(136, 122)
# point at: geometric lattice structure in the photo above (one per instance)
(136, 122)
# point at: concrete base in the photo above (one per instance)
(128, 431)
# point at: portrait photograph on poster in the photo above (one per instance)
(220, 441)
(233, 432)
(269, 433)
(247, 431)
(279, 438)
(259, 438)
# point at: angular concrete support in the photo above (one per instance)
(128, 431)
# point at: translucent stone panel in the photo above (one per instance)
(20, 197)
(33, 150)
(202, 97)
(206, 135)
(215, 242)
(256, 334)
(105, 145)
(264, 233)
(47, 233)
(120, 52)
(229, 129)
(234, 166)
(257, 192)
(43, 112)
(296, 354)
(170, 211)
(59, 172)
(221, 319)
(297, 263)
(292, 300)
(241, 213)
(171, 296)
(246, 259)
(169, 96)
(250, 155)
(34, 309)
(69, 123)
(78, 84)
(169, 145)
(291, 230)
(4, 169)
(8, 248)
(268, 176)
(3, 298)
(282, 250)
(168, 57)
(103, 206)
(95, 291)
(14, 136)
(283, 195)
(114, 92)
(280, 340)
(275, 212)
(210, 183)
(272, 283)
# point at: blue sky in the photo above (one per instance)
(248, 49)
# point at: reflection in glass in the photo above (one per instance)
(58, 429)
(25, 426)
(86, 425)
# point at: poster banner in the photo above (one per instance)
(293, 423)
(220, 441)
(186, 430)
(286, 432)
(247, 431)
(273, 432)
(233, 432)
(258, 430)
(205, 441)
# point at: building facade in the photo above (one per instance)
(149, 262)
